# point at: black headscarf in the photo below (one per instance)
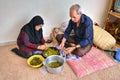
(34, 35)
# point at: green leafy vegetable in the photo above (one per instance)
(50, 51)
(54, 64)
(35, 61)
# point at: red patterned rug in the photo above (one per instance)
(93, 61)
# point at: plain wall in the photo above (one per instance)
(15, 13)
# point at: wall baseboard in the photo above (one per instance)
(7, 43)
(14, 42)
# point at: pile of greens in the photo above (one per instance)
(50, 51)
(54, 64)
(35, 61)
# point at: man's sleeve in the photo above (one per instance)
(88, 38)
(68, 30)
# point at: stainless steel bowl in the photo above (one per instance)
(54, 58)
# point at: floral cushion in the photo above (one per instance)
(93, 61)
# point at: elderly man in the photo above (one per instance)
(81, 42)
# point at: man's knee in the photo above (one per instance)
(59, 37)
(82, 51)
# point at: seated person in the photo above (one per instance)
(30, 39)
(81, 42)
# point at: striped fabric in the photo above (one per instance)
(93, 61)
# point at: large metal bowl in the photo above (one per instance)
(54, 58)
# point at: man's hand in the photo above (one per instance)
(61, 46)
(69, 50)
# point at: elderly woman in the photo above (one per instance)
(30, 40)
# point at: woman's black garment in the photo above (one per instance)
(34, 36)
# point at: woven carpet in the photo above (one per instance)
(14, 67)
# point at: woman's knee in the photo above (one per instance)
(26, 55)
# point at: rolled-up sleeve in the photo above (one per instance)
(88, 38)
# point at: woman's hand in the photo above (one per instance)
(69, 50)
(42, 47)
